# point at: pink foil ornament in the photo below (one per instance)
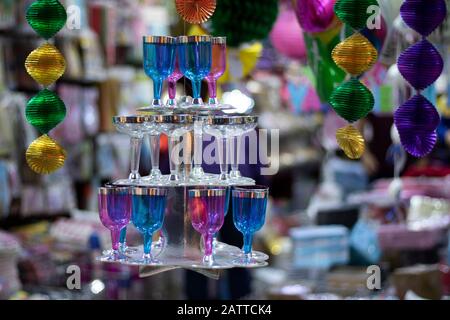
(315, 15)
(287, 36)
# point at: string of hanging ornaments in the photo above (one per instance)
(45, 65)
(421, 65)
(352, 100)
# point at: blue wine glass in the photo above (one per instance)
(249, 212)
(159, 63)
(149, 205)
(195, 58)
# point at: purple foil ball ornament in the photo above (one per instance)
(424, 16)
(418, 115)
(421, 64)
(418, 144)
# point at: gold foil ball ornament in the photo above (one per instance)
(45, 64)
(45, 156)
(355, 55)
(351, 142)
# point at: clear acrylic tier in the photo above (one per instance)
(179, 245)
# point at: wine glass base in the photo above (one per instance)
(242, 181)
(126, 182)
(145, 262)
(213, 266)
(109, 256)
(249, 263)
(256, 255)
(157, 109)
(128, 250)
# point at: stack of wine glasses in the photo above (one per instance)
(156, 204)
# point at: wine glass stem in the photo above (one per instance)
(148, 238)
(174, 160)
(207, 241)
(247, 249)
(157, 88)
(136, 144)
(235, 157)
(123, 237)
(212, 88)
(172, 89)
(155, 147)
(223, 144)
(115, 236)
(196, 88)
(198, 144)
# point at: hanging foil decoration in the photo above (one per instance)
(351, 142)
(352, 100)
(195, 11)
(45, 156)
(45, 111)
(355, 13)
(421, 65)
(355, 55)
(46, 17)
(45, 65)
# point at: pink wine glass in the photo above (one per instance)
(218, 67)
(114, 204)
(206, 207)
(172, 83)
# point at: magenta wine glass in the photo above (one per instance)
(206, 207)
(114, 204)
(172, 83)
(218, 67)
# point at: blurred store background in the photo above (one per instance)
(329, 218)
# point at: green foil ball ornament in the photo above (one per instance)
(46, 17)
(356, 13)
(45, 111)
(352, 100)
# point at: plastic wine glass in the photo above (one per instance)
(195, 55)
(175, 126)
(114, 204)
(242, 126)
(134, 127)
(154, 130)
(206, 207)
(159, 62)
(249, 211)
(218, 67)
(172, 82)
(149, 205)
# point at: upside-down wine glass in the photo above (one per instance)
(159, 62)
(206, 207)
(195, 54)
(114, 204)
(249, 211)
(149, 205)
